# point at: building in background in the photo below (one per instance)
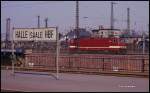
(106, 32)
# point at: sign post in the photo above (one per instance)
(57, 53)
(13, 55)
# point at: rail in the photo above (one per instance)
(90, 63)
(97, 63)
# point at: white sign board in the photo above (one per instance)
(34, 34)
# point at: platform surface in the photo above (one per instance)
(71, 83)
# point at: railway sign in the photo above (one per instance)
(34, 34)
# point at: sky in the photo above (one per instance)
(24, 14)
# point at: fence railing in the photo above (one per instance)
(91, 63)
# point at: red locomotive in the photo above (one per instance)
(115, 45)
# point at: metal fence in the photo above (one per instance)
(88, 62)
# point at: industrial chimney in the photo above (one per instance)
(46, 22)
(7, 31)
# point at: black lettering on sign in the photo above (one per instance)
(35, 34)
(31, 35)
(26, 33)
(39, 34)
(17, 34)
(21, 34)
(49, 34)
